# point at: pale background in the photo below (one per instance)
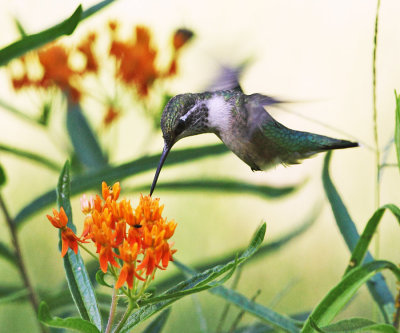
(319, 52)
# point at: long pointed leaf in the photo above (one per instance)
(269, 316)
(7, 254)
(338, 297)
(199, 280)
(95, 8)
(3, 177)
(223, 185)
(362, 246)
(16, 112)
(14, 296)
(355, 325)
(31, 156)
(397, 129)
(31, 42)
(377, 285)
(75, 324)
(111, 174)
(77, 277)
(83, 139)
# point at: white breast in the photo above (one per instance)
(219, 113)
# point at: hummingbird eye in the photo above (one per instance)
(180, 127)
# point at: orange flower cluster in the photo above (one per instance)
(136, 238)
(136, 57)
(58, 72)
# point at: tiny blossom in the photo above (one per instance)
(68, 237)
(87, 205)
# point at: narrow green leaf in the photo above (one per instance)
(198, 281)
(77, 277)
(14, 296)
(3, 177)
(201, 287)
(111, 174)
(8, 107)
(157, 325)
(362, 246)
(397, 129)
(377, 285)
(354, 325)
(31, 156)
(7, 254)
(75, 324)
(269, 316)
(222, 185)
(20, 28)
(95, 8)
(34, 41)
(338, 297)
(83, 139)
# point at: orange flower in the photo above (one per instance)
(113, 194)
(104, 238)
(156, 247)
(86, 47)
(136, 238)
(68, 237)
(128, 253)
(54, 60)
(59, 220)
(136, 60)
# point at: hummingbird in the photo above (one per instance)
(243, 124)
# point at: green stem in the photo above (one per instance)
(127, 313)
(88, 251)
(114, 301)
(20, 263)
(228, 305)
(375, 122)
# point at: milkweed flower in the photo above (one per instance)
(134, 241)
(68, 237)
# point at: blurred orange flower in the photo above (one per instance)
(136, 66)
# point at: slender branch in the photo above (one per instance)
(127, 313)
(375, 122)
(242, 313)
(227, 307)
(20, 263)
(114, 301)
(396, 314)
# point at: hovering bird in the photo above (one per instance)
(242, 124)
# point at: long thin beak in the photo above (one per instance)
(160, 164)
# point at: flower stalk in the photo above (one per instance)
(19, 260)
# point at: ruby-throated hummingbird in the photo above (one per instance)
(243, 125)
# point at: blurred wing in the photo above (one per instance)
(227, 78)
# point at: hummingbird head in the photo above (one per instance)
(184, 115)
